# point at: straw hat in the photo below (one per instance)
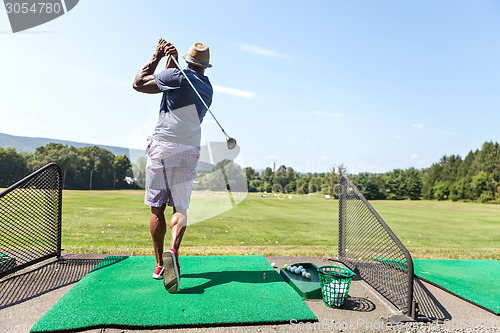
(198, 55)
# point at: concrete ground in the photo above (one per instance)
(26, 295)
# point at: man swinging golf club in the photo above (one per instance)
(174, 149)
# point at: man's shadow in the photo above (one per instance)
(219, 278)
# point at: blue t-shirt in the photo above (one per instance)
(181, 111)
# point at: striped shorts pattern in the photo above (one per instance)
(170, 172)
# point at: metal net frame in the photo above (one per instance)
(369, 247)
(30, 220)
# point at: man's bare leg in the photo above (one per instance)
(172, 274)
(158, 228)
(178, 223)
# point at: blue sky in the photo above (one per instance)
(374, 85)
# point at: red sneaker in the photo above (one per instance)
(158, 273)
(172, 274)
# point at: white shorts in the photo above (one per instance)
(170, 172)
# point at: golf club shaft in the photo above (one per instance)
(198, 94)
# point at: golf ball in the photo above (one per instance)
(300, 268)
(304, 273)
(286, 266)
(289, 268)
(308, 275)
(298, 271)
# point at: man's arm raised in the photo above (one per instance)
(145, 80)
(172, 51)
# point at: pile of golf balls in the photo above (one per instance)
(335, 291)
(299, 270)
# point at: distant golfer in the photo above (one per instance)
(174, 149)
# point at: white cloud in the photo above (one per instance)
(234, 92)
(397, 137)
(417, 126)
(323, 158)
(260, 51)
(414, 156)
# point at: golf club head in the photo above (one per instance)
(231, 143)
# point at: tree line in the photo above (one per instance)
(397, 184)
(473, 178)
(476, 177)
(83, 168)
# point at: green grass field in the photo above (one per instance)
(118, 222)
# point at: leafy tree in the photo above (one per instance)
(403, 184)
(476, 177)
(461, 190)
(394, 185)
(254, 185)
(429, 179)
(226, 175)
(13, 167)
(253, 180)
(331, 180)
(121, 167)
(66, 157)
(480, 183)
(98, 167)
(413, 184)
(441, 191)
(266, 179)
(251, 173)
(369, 185)
(284, 180)
(315, 184)
(302, 186)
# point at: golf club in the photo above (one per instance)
(231, 142)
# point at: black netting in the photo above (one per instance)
(369, 247)
(30, 220)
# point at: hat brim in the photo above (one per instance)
(194, 62)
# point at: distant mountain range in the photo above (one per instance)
(25, 144)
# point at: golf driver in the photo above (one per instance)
(231, 142)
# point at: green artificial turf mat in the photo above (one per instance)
(475, 280)
(214, 290)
